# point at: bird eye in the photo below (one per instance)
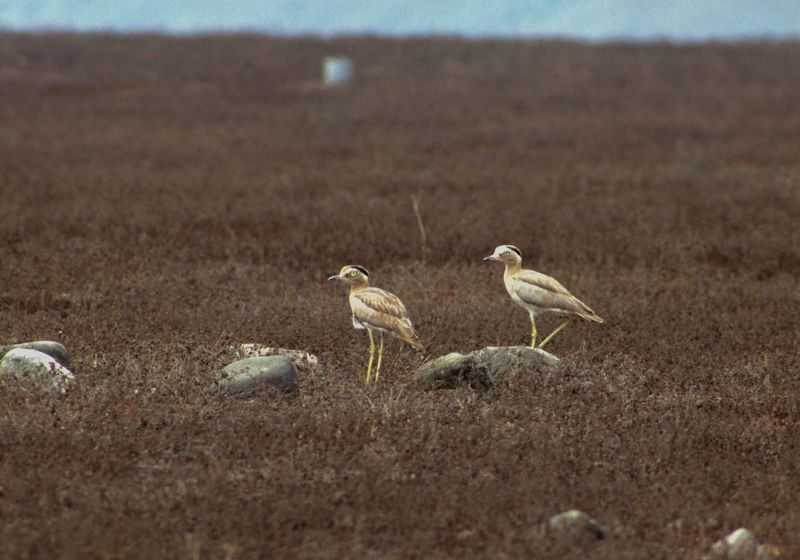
(506, 252)
(353, 273)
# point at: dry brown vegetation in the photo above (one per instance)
(163, 198)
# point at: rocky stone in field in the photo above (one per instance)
(446, 372)
(245, 376)
(483, 368)
(739, 545)
(35, 369)
(55, 350)
(575, 526)
(303, 361)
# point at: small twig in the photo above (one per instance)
(415, 204)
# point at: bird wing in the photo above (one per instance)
(544, 291)
(384, 310)
(542, 281)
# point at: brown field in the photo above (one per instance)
(163, 198)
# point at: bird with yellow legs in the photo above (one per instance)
(377, 311)
(539, 294)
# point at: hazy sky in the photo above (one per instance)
(592, 19)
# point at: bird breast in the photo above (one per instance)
(512, 287)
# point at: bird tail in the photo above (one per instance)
(414, 342)
(408, 334)
(587, 313)
(590, 315)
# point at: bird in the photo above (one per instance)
(375, 309)
(538, 293)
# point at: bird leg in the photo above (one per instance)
(380, 356)
(533, 330)
(557, 330)
(371, 354)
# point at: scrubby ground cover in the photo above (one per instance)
(164, 198)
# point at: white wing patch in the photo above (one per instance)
(357, 324)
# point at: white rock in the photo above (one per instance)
(739, 545)
(49, 347)
(575, 526)
(337, 70)
(32, 367)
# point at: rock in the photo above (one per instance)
(575, 526)
(303, 361)
(446, 372)
(501, 360)
(739, 545)
(245, 376)
(483, 368)
(53, 349)
(34, 368)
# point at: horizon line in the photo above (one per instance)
(165, 31)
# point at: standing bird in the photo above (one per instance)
(538, 293)
(376, 310)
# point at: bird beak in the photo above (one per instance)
(333, 278)
(489, 258)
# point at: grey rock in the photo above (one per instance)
(575, 526)
(446, 372)
(303, 361)
(483, 368)
(739, 545)
(245, 376)
(35, 369)
(53, 349)
(501, 360)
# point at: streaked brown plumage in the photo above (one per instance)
(375, 309)
(383, 311)
(538, 293)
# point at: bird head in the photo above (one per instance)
(352, 275)
(506, 254)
